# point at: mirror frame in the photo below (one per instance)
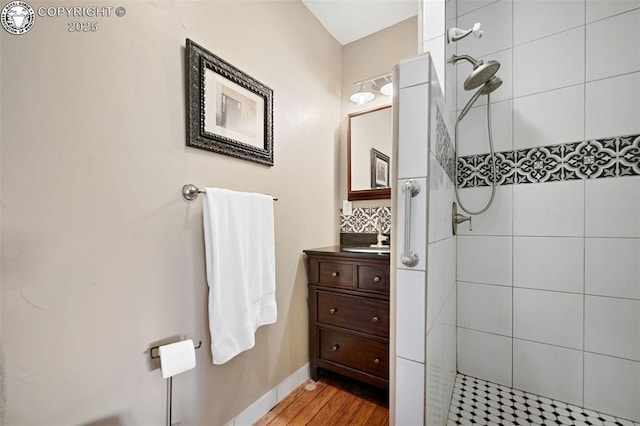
(363, 194)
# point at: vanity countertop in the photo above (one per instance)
(339, 252)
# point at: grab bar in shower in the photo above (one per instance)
(409, 257)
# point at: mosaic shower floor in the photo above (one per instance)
(478, 402)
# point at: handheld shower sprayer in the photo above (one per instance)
(488, 87)
(455, 34)
(483, 76)
(482, 72)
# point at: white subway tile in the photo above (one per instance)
(450, 337)
(612, 107)
(613, 207)
(450, 82)
(484, 259)
(441, 276)
(414, 71)
(433, 19)
(549, 63)
(409, 392)
(410, 314)
(412, 131)
(485, 308)
(548, 317)
(549, 209)
(435, 47)
(485, 356)
(435, 399)
(549, 118)
(612, 327)
(546, 263)
(613, 46)
(450, 11)
(612, 267)
(473, 134)
(418, 236)
(497, 220)
(533, 19)
(497, 25)
(466, 6)
(612, 385)
(599, 9)
(548, 370)
(441, 197)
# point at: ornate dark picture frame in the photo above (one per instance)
(228, 111)
(379, 169)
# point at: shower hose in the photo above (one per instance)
(493, 164)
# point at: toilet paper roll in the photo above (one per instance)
(177, 358)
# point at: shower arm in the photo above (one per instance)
(455, 58)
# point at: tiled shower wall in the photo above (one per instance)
(425, 293)
(548, 281)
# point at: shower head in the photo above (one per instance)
(482, 72)
(488, 87)
(481, 75)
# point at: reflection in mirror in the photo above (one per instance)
(369, 143)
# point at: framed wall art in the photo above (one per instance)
(228, 111)
(379, 169)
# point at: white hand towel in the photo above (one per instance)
(177, 358)
(240, 259)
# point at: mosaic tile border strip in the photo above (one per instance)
(364, 219)
(478, 402)
(590, 159)
(445, 153)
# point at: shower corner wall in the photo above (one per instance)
(425, 294)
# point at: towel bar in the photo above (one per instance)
(190, 192)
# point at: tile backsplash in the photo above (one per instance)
(364, 220)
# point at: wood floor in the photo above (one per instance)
(334, 401)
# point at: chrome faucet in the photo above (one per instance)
(381, 238)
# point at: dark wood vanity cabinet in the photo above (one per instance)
(349, 315)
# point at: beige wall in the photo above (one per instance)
(369, 57)
(101, 255)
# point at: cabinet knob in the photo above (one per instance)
(335, 347)
(333, 310)
(377, 279)
(375, 319)
(376, 361)
(335, 274)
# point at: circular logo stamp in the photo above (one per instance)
(17, 17)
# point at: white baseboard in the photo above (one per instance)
(266, 402)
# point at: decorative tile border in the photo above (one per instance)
(590, 159)
(364, 219)
(445, 153)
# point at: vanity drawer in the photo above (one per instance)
(355, 352)
(373, 278)
(334, 273)
(363, 314)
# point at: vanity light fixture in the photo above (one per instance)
(387, 89)
(362, 96)
(381, 84)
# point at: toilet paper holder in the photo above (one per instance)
(170, 385)
(156, 356)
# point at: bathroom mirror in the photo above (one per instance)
(369, 143)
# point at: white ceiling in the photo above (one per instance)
(350, 20)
